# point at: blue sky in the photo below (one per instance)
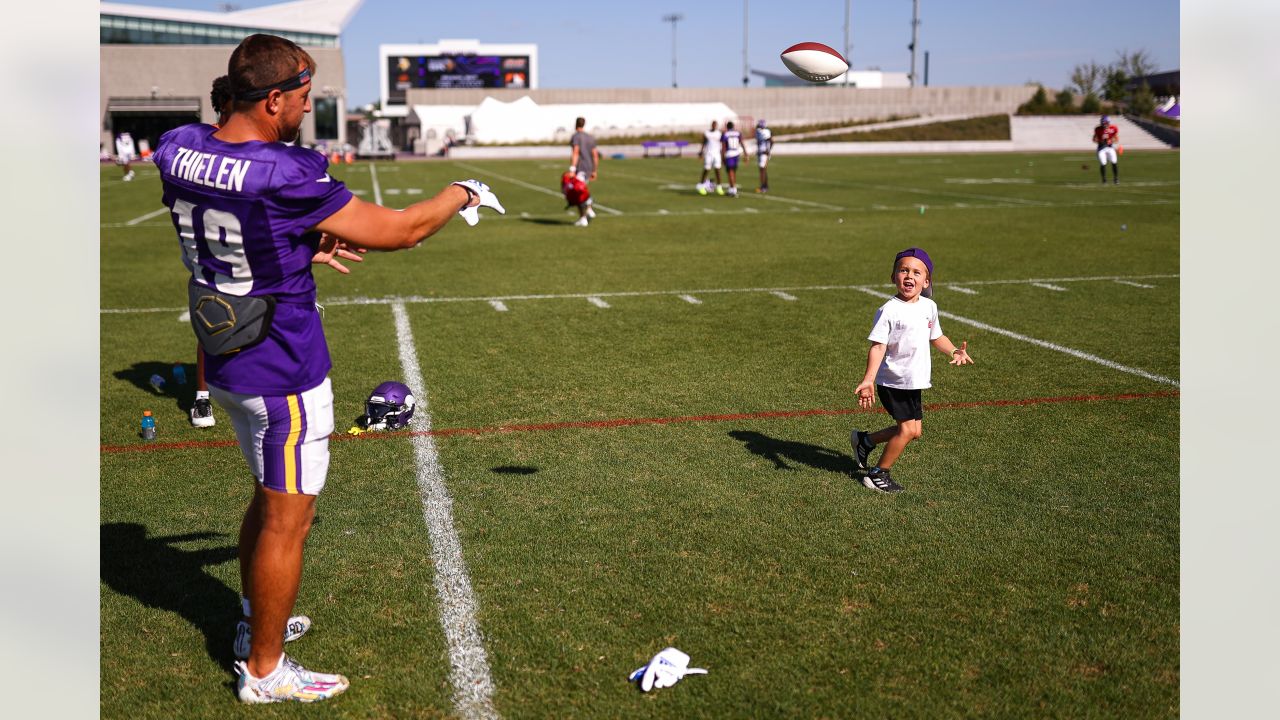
(974, 42)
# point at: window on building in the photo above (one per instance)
(325, 110)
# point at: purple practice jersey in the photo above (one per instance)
(244, 213)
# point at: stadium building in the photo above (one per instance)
(157, 64)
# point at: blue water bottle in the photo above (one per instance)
(179, 374)
(157, 382)
(148, 426)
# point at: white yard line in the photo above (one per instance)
(377, 189)
(341, 301)
(691, 299)
(1134, 284)
(598, 302)
(1049, 286)
(498, 305)
(530, 186)
(148, 216)
(783, 295)
(1042, 343)
(468, 662)
(960, 289)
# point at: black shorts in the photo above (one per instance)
(901, 404)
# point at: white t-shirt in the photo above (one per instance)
(712, 140)
(906, 329)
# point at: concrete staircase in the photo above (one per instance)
(1074, 132)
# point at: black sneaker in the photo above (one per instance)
(879, 480)
(202, 413)
(862, 447)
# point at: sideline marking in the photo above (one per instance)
(1046, 344)
(343, 301)
(377, 189)
(468, 663)
(598, 302)
(1049, 286)
(148, 216)
(630, 422)
(531, 186)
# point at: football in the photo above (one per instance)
(814, 62)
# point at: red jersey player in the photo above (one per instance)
(1107, 137)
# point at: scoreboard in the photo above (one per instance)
(454, 71)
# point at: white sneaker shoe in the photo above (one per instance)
(297, 626)
(582, 222)
(591, 213)
(128, 176)
(202, 413)
(289, 681)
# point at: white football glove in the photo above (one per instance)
(664, 670)
(475, 188)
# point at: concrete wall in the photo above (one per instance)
(189, 70)
(779, 105)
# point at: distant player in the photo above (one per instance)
(576, 192)
(1107, 136)
(731, 146)
(125, 154)
(584, 163)
(710, 159)
(899, 366)
(764, 146)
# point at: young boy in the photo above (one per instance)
(898, 365)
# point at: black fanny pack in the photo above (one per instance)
(228, 323)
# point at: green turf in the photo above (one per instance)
(1029, 570)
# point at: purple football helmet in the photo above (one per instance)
(389, 407)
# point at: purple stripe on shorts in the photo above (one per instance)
(301, 440)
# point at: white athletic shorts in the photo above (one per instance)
(762, 160)
(284, 438)
(711, 161)
(125, 158)
(1107, 154)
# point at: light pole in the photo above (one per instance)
(673, 18)
(744, 43)
(847, 3)
(915, 36)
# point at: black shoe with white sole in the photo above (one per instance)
(862, 447)
(879, 480)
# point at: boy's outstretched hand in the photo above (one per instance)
(866, 393)
(961, 355)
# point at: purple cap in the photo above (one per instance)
(917, 253)
(760, 122)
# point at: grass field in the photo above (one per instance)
(640, 439)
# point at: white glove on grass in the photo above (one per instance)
(664, 670)
(475, 188)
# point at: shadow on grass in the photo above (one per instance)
(780, 451)
(184, 396)
(156, 573)
(546, 221)
(513, 470)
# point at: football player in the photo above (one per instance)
(764, 146)
(253, 214)
(1107, 136)
(733, 149)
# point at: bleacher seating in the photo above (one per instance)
(662, 146)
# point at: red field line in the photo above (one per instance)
(627, 422)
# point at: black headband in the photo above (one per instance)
(285, 85)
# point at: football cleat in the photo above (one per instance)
(296, 627)
(289, 681)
